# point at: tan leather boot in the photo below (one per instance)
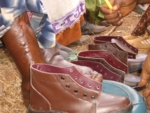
(144, 44)
(23, 47)
(132, 37)
(135, 39)
(65, 90)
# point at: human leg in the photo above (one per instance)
(22, 45)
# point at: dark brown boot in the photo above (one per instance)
(21, 42)
(65, 90)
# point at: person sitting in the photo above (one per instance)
(121, 8)
(25, 43)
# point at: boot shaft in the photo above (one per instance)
(22, 44)
(20, 40)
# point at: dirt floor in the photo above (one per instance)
(125, 29)
(10, 79)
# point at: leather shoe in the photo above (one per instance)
(119, 43)
(136, 64)
(133, 64)
(121, 55)
(96, 55)
(129, 79)
(91, 29)
(65, 89)
(83, 39)
(100, 68)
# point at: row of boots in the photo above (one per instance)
(50, 89)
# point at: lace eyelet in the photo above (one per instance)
(89, 85)
(71, 70)
(81, 82)
(111, 77)
(67, 86)
(98, 87)
(62, 78)
(101, 70)
(84, 95)
(76, 91)
(75, 78)
(92, 97)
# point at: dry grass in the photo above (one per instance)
(10, 82)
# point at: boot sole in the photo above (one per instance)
(125, 110)
(30, 110)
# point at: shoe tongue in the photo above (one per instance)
(122, 46)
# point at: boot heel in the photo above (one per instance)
(30, 110)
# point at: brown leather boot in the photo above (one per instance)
(23, 47)
(65, 90)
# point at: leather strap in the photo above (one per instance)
(108, 39)
(73, 73)
(99, 67)
(121, 55)
(96, 55)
